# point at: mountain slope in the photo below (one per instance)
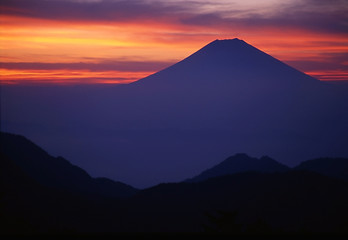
(241, 163)
(231, 61)
(226, 98)
(333, 167)
(56, 172)
(289, 202)
(284, 202)
(29, 207)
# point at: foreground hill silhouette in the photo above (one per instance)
(226, 98)
(57, 172)
(243, 203)
(333, 167)
(29, 207)
(288, 202)
(241, 163)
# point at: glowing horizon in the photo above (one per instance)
(112, 41)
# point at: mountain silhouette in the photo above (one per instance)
(289, 202)
(56, 172)
(224, 62)
(29, 207)
(226, 98)
(241, 163)
(333, 167)
(243, 203)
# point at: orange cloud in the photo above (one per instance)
(60, 76)
(333, 75)
(146, 32)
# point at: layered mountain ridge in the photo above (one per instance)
(56, 172)
(270, 200)
(241, 163)
(226, 98)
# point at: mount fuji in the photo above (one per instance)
(228, 97)
(228, 62)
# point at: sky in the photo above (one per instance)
(120, 41)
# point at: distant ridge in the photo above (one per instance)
(241, 163)
(56, 172)
(260, 201)
(332, 167)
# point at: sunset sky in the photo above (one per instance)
(119, 41)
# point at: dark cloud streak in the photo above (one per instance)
(122, 66)
(325, 61)
(320, 16)
(68, 81)
(88, 11)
